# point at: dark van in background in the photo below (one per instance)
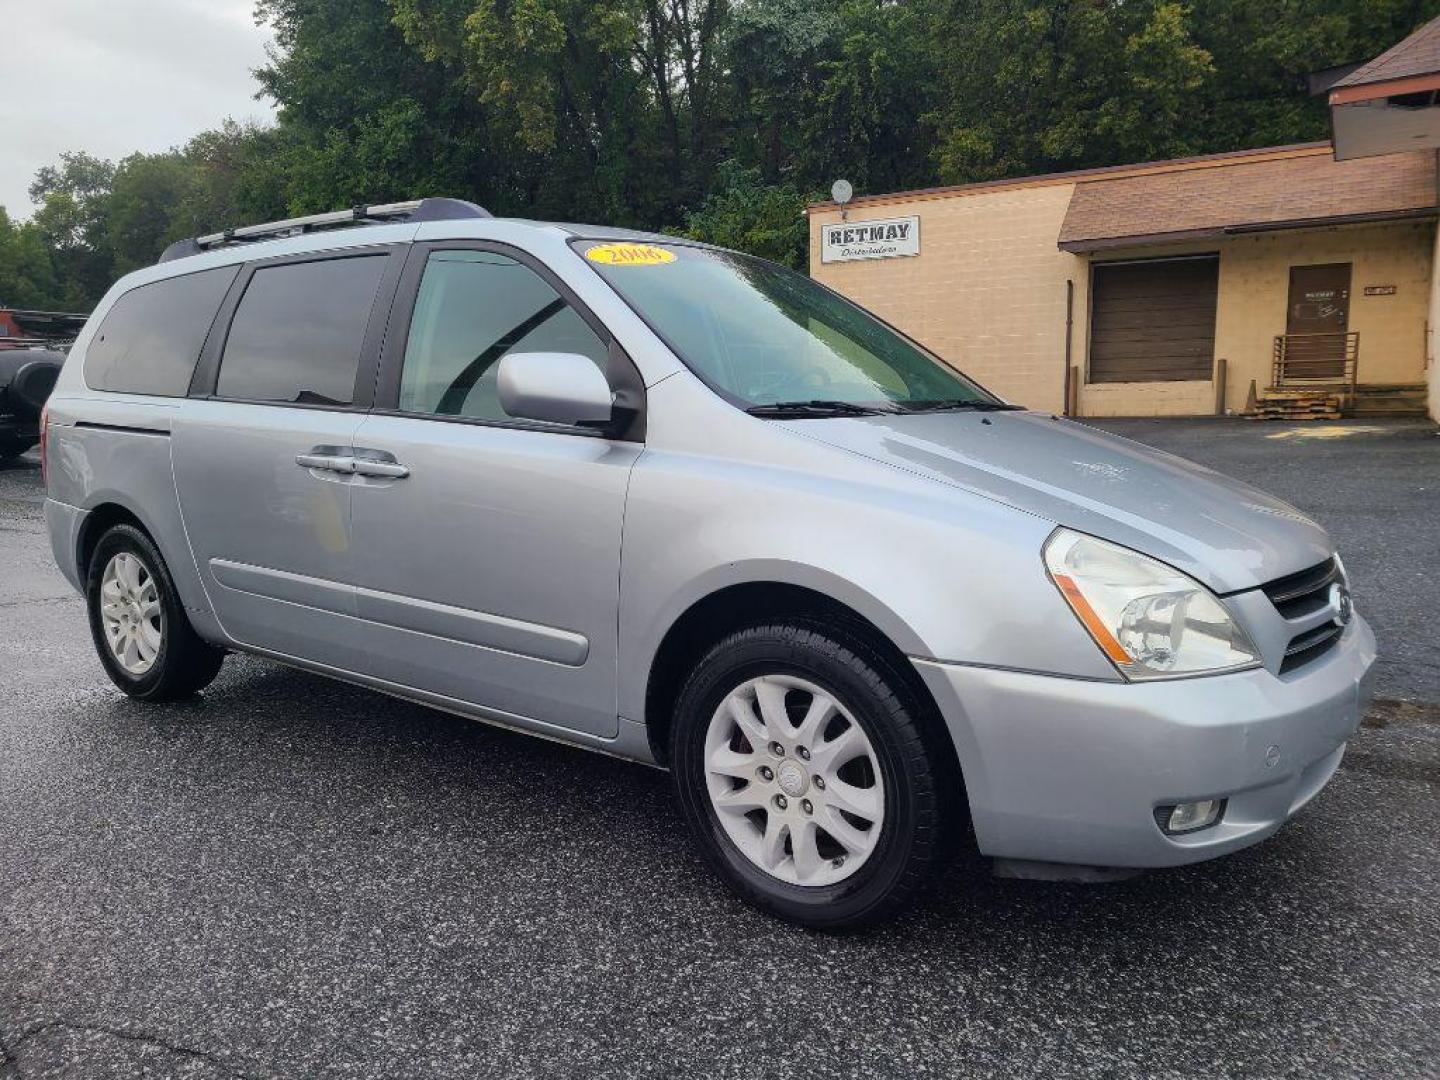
(33, 345)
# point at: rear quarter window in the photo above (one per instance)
(150, 340)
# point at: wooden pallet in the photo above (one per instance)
(1294, 405)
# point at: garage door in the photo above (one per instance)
(1153, 321)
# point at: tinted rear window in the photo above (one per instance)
(297, 333)
(150, 340)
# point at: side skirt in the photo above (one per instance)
(629, 744)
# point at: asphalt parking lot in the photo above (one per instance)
(291, 877)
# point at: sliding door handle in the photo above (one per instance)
(378, 463)
(391, 470)
(340, 463)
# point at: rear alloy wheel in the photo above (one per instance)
(802, 767)
(130, 613)
(145, 641)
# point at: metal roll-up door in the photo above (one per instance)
(1153, 321)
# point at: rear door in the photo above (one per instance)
(487, 566)
(263, 447)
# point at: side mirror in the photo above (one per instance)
(562, 388)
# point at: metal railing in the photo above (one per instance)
(1317, 361)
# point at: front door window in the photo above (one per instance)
(473, 308)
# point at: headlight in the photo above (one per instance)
(1150, 619)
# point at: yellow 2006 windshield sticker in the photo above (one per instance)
(629, 255)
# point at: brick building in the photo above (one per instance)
(1299, 275)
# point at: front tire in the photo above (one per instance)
(145, 641)
(801, 766)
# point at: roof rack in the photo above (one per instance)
(415, 210)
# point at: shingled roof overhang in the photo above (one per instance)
(1411, 66)
(1391, 104)
(1301, 191)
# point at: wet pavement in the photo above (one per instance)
(291, 877)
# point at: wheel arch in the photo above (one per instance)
(108, 508)
(720, 611)
(100, 519)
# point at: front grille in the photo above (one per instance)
(1307, 646)
(1304, 593)
(1299, 596)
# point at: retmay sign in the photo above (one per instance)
(885, 239)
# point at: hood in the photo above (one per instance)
(1224, 533)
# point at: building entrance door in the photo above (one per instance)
(1317, 322)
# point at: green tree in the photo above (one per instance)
(364, 117)
(777, 49)
(72, 198)
(835, 89)
(615, 110)
(1264, 48)
(1042, 85)
(710, 117)
(750, 215)
(96, 220)
(1038, 87)
(866, 122)
(27, 278)
(240, 173)
(142, 213)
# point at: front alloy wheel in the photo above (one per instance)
(808, 769)
(794, 780)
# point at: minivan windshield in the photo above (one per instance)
(774, 341)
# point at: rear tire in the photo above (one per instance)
(825, 827)
(145, 641)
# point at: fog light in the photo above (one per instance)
(1188, 816)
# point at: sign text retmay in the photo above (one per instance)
(885, 239)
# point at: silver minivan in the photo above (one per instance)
(683, 506)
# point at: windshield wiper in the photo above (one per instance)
(781, 410)
(956, 404)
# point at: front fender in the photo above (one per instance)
(650, 633)
(944, 574)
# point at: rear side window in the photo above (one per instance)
(149, 341)
(473, 308)
(297, 332)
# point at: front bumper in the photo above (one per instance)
(1070, 771)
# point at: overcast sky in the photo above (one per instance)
(114, 76)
